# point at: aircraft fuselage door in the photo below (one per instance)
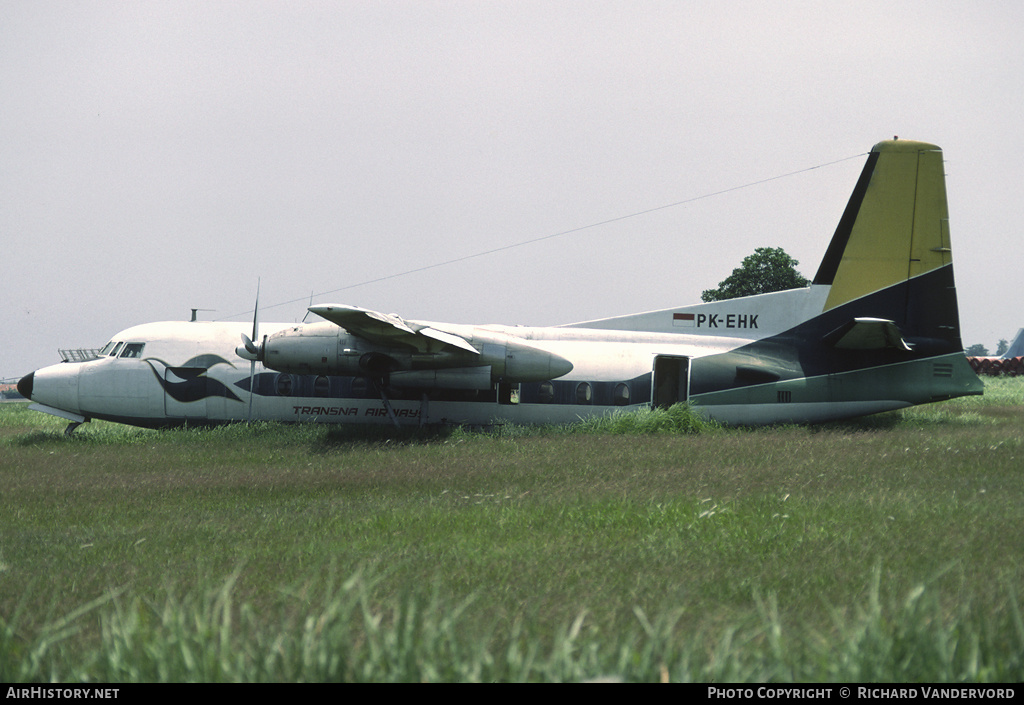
(671, 383)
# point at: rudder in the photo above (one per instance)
(896, 229)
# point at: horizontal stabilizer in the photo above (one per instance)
(867, 334)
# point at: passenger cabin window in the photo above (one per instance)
(621, 394)
(584, 393)
(546, 394)
(284, 386)
(359, 387)
(133, 350)
(322, 387)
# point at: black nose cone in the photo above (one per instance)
(25, 385)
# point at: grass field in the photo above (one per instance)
(887, 549)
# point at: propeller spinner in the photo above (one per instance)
(249, 350)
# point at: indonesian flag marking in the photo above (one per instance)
(683, 320)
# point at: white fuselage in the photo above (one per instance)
(190, 371)
(174, 373)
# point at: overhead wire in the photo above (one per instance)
(562, 233)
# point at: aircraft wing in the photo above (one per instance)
(867, 334)
(386, 328)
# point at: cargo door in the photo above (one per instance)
(671, 382)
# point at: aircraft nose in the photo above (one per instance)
(25, 385)
(56, 386)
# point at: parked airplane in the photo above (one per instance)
(1010, 363)
(876, 330)
(1015, 349)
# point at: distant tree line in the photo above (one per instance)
(979, 350)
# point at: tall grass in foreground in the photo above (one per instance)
(678, 418)
(613, 549)
(209, 637)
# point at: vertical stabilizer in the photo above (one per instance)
(894, 232)
(1016, 348)
(896, 225)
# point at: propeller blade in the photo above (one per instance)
(307, 310)
(256, 315)
(253, 353)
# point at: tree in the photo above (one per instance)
(768, 269)
(977, 350)
(1003, 346)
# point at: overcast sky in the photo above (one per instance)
(162, 156)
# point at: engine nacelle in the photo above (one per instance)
(456, 378)
(512, 360)
(326, 349)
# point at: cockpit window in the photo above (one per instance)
(116, 350)
(133, 350)
(106, 349)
